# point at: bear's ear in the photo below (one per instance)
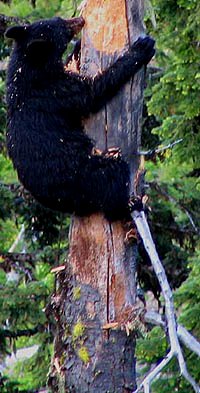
(38, 50)
(16, 32)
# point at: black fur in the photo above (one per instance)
(46, 106)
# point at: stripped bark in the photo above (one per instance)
(98, 284)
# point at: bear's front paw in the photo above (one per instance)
(143, 49)
(143, 44)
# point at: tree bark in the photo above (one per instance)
(98, 285)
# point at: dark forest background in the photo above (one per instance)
(33, 240)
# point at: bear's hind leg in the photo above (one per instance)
(104, 186)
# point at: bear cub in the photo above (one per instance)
(46, 105)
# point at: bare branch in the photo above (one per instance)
(157, 150)
(21, 333)
(185, 337)
(19, 237)
(170, 198)
(188, 214)
(175, 348)
(189, 340)
(18, 261)
(175, 229)
(146, 383)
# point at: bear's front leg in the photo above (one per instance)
(88, 95)
(106, 84)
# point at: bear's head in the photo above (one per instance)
(46, 38)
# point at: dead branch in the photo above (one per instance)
(173, 200)
(158, 150)
(22, 333)
(18, 261)
(19, 237)
(175, 229)
(185, 337)
(175, 348)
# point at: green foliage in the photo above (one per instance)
(7, 386)
(44, 8)
(173, 176)
(7, 198)
(153, 347)
(25, 295)
(172, 112)
(188, 297)
(34, 377)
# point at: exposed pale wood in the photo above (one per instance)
(101, 260)
(119, 24)
(98, 288)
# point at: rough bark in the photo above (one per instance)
(98, 285)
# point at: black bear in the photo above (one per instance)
(46, 106)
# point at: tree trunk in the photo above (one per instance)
(98, 285)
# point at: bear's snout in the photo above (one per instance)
(76, 24)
